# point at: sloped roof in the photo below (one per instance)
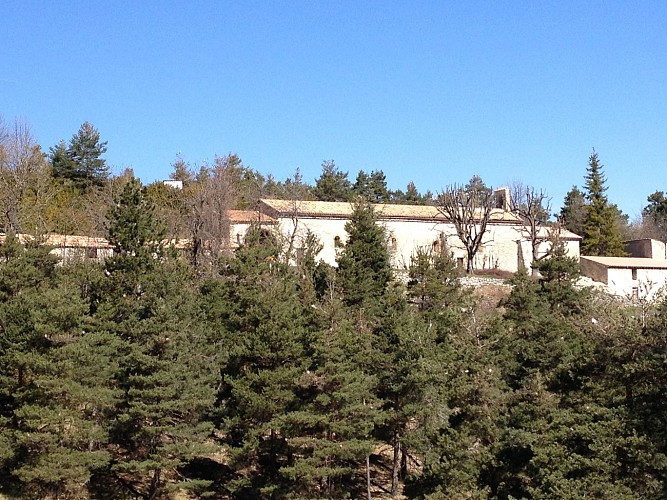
(249, 216)
(63, 240)
(343, 210)
(627, 262)
(543, 232)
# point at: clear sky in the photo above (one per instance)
(428, 91)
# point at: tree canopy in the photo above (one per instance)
(601, 235)
(80, 161)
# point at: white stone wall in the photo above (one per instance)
(71, 255)
(326, 230)
(647, 284)
(499, 249)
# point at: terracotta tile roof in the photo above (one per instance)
(543, 232)
(627, 262)
(62, 240)
(71, 241)
(335, 209)
(249, 216)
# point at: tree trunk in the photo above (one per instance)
(155, 485)
(396, 463)
(368, 476)
(404, 462)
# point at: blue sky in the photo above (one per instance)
(432, 92)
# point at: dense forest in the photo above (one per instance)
(151, 375)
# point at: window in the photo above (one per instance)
(91, 253)
(634, 274)
(394, 244)
(337, 242)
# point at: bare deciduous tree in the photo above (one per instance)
(24, 179)
(470, 211)
(209, 199)
(532, 207)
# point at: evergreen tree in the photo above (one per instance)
(559, 273)
(600, 230)
(332, 185)
(164, 373)
(81, 161)
(656, 212)
(255, 311)
(332, 430)
(364, 270)
(53, 389)
(412, 196)
(573, 213)
(371, 187)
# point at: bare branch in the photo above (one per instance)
(533, 208)
(469, 211)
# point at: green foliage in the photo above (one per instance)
(264, 356)
(433, 284)
(332, 185)
(81, 162)
(364, 269)
(600, 230)
(147, 305)
(50, 405)
(656, 211)
(371, 187)
(573, 213)
(559, 272)
(332, 430)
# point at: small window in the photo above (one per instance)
(634, 274)
(459, 262)
(91, 253)
(337, 242)
(435, 246)
(394, 243)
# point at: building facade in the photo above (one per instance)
(505, 246)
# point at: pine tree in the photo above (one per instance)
(656, 212)
(600, 230)
(256, 313)
(148, 304)
(331, 432)
(54, 392)
(371, 187)
(559, 273)
(81, 161)
(573, 213)
(332, 185)
(364, 270)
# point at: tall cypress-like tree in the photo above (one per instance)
(600, 230)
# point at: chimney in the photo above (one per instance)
(502, 198)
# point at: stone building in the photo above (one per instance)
(641, 275)
(630, 277)
(71, 248)
(505, 246)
